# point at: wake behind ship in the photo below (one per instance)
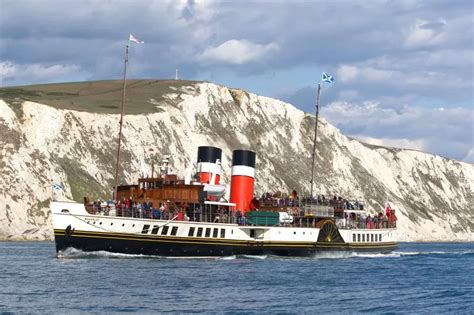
(170, 215)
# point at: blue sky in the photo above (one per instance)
(404, 69)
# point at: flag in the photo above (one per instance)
(136, 40)
(58, 187)
(327, 78)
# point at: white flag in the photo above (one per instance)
(136, 40)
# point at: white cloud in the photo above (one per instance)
(238, 52)
(444, 131)
(424, 33)
(347, 73)
(417, 144)
(469, 156)
(12, 73)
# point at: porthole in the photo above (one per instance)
(111, 223)
(100, 223)
(123, 224)
(294, 232)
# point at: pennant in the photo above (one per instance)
(136, 40)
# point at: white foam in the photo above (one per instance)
(333, 255)
(368, 255)
(255, 256)
(228, 257)
(407, 253)
(77, 253)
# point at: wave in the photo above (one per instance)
(436, 252)
(378, 255)
(73, 253)
(77, 253)
(233, 257)
(254, 256)
(333, 255)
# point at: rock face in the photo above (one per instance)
(41, 144)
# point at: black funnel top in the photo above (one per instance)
(209, 154)
(243, 157)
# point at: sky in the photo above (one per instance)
(403, 70)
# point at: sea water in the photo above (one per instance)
(418, 278)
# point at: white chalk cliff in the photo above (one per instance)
(41, 145)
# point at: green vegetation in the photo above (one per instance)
(82, 183)
(97, 96)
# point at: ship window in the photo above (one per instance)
(358, 237)
(199, 233)
(174, 230)
(376, 237)
(371, 237)
(191, 231)
(367, 237)
(252, 233)
(363, 237)
(222, 233)
(165, 230)
(380, 237)
(155, 229)
(353, 237)
(145, 229)
(65, 211)
(208, 232)
(215, 232)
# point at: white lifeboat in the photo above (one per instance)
(214, 190)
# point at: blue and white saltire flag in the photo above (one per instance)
(327, 78)
(58, 187)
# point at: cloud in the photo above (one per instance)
(418, 144)
(407, 57)
(11, 73)
(444, 131)
(469, 156)
(425, 33)
(238, 52)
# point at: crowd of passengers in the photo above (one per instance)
(165, 211)
(280, 200)
(376, 221)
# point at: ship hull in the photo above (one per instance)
(75, 228)
(90, 242)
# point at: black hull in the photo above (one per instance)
(158, 246)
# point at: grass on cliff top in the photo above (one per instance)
(96, 96)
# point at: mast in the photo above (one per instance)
(315, 137)
(122, 106)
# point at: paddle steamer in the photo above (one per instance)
(167, 215)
